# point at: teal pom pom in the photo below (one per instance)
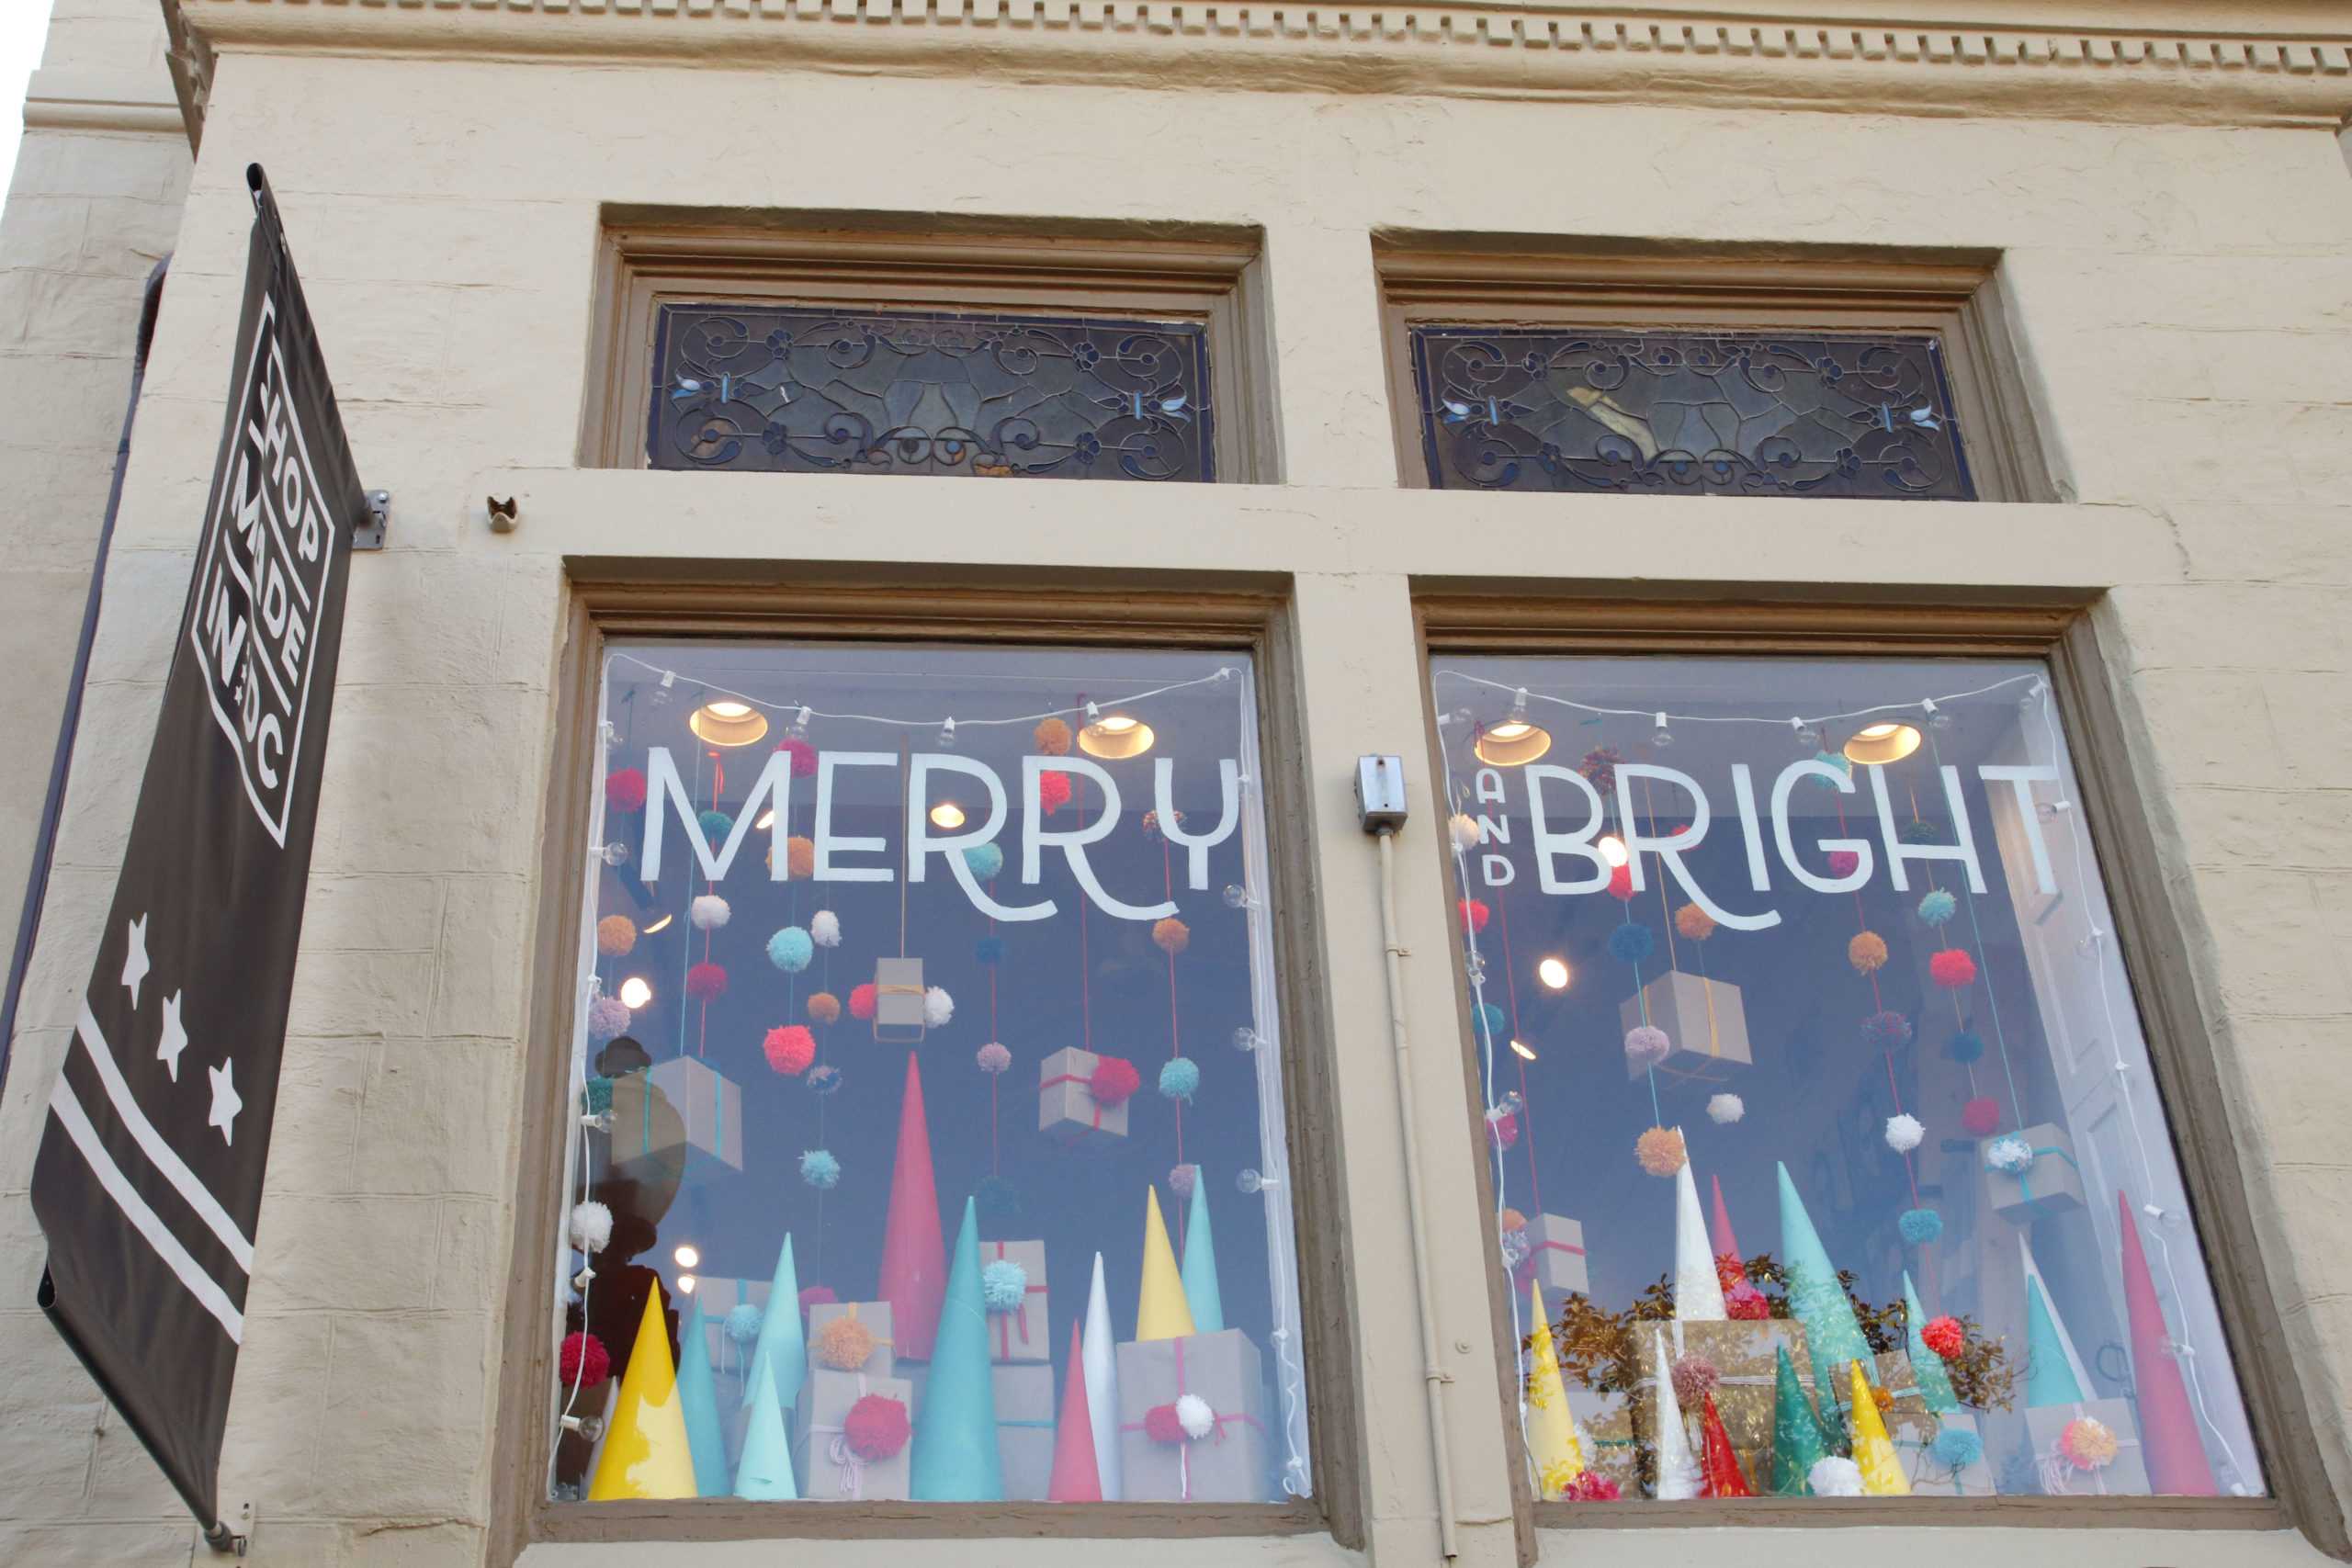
(820, 1170)
(989, 950)
(1490, 1021)
(1956, 1448)
(598, 1095)
(986, 860)
(1004, 1285)
(1837, 759)
(1965, 1046)
(791, 949)
(1939, 907)
(716, 825)
(1920, 1226)
(744, 1322)
(1919, 832)
(1631, 942)
(1180, 1078)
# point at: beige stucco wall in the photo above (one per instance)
(2183, 297)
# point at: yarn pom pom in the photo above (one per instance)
(2087, 1443)
(938, 1007)
(1952, 969)
(1965, 1046)
(988, 950)
(1695, 1377)
(1599, 767)
(791, 949)
(1004, 1285)
(1837, 763)
(1918, 832)
(616, 936)
(861, 1002)
(820, 1170)
(876, 1428)
(1939, 907)
(709, 912)
(825, 929)
(742, 1322)
(1490, 1021)
(1631, 942)
(803, 755)
(1502, 1127)
(1980, 1116)
(1620, 884)
(1647, 1046)
(1053, 792)
(1474, 914)
(992, 1058)
(607, 1019)
(824, 1007)
(1956, 1448)
(715, 827)
(596, 1093)
(1515, 1248)
(1724, 1109)
(1510, 1220)
(582, 1362)
(824, 1080)
(2009, 1154)
(706, 982)
(1745, 1303)
(790, 1049)
(1113, 1081)
(1843, 863)
(1886, 1030)
(1867, 952)
(1904, 1134)
(1694, 923)
(842, 1343)
(800, 857)
(1052, 736)
(1944, 1336)
(1660, 1151)
(1464, 829)
(1179, 1079)
(816, 1296)
(1195, 1414)
(1835, 1477)
(1172, 936)
(625, 790)
(1921, 1227)
(986, 861)
(1590, 1486)
(1161, 1425)
(1182, 1180)
(592, 1225)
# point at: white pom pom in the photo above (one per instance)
(592, 1226)
(708, 912)
(1192, 1413)
(1904, 1134)
(825, 929)
(1725, 1109)
(1466, 831)
(938, 1007)
(1835, 1477)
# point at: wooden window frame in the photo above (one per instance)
(913, 605)
(1521, 281)
(1207, 274)
(2061, 631)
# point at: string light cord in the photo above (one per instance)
(1222, 674)
(1796, 722)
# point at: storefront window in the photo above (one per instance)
(1827, 1154)
(930, 1084)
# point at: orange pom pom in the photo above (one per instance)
(1172, 935)
(1512, 1219)
(799, 857)
(1660, 1151)
(1694, 923)
(842, 1343)
(1866, 952)
(616, 935)
(1052, 738)
(824, 1007)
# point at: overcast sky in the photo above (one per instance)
(22, 23)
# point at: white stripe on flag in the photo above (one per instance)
(199, 1196)
(167, 1247)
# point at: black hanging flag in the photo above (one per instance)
(149, 1178)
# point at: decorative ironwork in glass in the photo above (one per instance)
(1686, 412)
(814, 391)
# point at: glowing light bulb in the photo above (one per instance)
(1522, 1050)
(1613, 850)
(688, 1255)
(1553, 973)
(636, 991)
(947, 815)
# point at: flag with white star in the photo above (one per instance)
(148, 1183)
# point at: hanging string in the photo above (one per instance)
(1878, 1005)
(1984, 973)
(1798, 722)
(992, 1034)
(1223, 673)
(1175, 1039)
(1526, 1100)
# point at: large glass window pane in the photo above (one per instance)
(1827, 1151)
(930, 1084)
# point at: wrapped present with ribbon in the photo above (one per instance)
(1616, 1443)
(1738, 1363)
(1906, 1412)
(1191, 1420)
(1705, 1020)
(2088, 1447)
(897, 1001)
(1024, 1428)
(1068, 1104)
(1555, 1256)
(853, 1433)
(1953, 1464)
(1012, 1287)
(727, 1337)
(851, 1337)
(2031, 1175)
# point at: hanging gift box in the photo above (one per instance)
(897, 1001)
(1016, 1318)
(865, 1326)
(1024, 1428)
(840, 1458)
(2087, 1448)
(2031, 1175)
(1191, 1420)
(711, 1109)
(1555, 1256)
(1066, 1103)
(1703, 1020)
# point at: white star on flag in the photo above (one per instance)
(175, 1039)
(225, 1103)
(134, 961)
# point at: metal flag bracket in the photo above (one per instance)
(370, 535)
(225, 1538)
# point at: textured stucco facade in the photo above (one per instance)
(2176, 253)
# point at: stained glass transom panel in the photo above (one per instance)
(1686, 412)
(817, 391)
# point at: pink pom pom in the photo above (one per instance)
(1502, 1128)
(1620, 884)
(1844, 863)
(1113, 1081)
(1695, 1377)
(817, 1296)
(1182, 1177)
(876, 1428)
(992, 1058)
(1952, 969)
(1474, 914)
(1591, 1486)
(1944, 1336)
(1647, 1046)
(1161, 1426)
(582, 1362)
(803, 755)
(706, 982)
(790, 1049)
(1053, 792)
(625, 790)
(1981, 1115)
(861, 1002)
